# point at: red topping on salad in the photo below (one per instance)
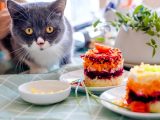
(139, 107)
(102, 58)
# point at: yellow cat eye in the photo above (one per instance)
(49, 29)
(29, 31)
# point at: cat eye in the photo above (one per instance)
(29, 31)
(49, 29)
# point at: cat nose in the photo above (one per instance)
(40, 41)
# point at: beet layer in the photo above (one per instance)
(103, 75)
(132, 96)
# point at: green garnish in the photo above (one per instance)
(89, 94)
(152, 69)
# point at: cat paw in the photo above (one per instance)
(38, 70)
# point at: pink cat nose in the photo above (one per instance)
(40, 41)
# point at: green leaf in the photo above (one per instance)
(122, 18)
(152, 43)
(119, 15)
(100, 39)
(96, 23)
(114, 24)
(157, 26)
(155, 15)
(137, 9)
(150, 32)
(146, 20)
(149, 44)
(153, 52)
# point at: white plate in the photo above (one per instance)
(44, 92)
(78, 74)
(118, 93)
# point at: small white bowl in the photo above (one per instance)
(44, 92)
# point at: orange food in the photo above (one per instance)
(103, 66)
(90, 65)
(102, 58)
(144, 88)
(139, 107)
(101, 48)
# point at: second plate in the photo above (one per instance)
(78, 74)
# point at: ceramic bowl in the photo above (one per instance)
(44, 92)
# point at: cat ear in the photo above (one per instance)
(58, 7)
(13, 7)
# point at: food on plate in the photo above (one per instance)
(103, 66)
(143, 88)
(38, 91)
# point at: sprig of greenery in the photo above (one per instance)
(89, 93)
(153, 44)
(142, 19)
(96, 23)
(76, 90)
(98, 99)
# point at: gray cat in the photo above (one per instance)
(42, 36)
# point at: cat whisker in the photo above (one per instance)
(22, 61)
(20, 64)
(17, 50)
(18, 60)
(18, 53)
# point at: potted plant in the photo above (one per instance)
(139, 35)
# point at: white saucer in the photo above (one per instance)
(44, 92)
(117, 94)
(78, 74)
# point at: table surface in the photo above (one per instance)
(12, 107)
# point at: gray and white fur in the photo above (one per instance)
(41, 50)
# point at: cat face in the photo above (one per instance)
(37, 26)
